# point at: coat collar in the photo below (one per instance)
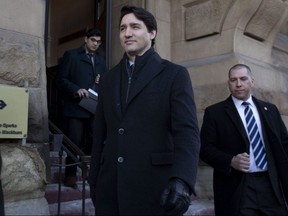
(146, 68)
(83, 56)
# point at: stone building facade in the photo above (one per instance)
(206, 36)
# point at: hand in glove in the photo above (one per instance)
(176, 198)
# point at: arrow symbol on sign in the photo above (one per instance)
(2, 104)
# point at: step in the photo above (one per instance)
(67, 193)
(72, 208)
(54, 176)
(201, 207)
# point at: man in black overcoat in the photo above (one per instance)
(241, 185)
(145, 157)
(79, 71)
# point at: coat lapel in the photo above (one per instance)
(236, 119)
(263, 111)
(148, 72)
(84, 58)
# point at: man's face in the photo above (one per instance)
(240, 83)
(134, 36)
(92, 43)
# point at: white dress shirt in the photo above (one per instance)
(240, 108)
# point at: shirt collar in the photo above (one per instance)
(238, 102)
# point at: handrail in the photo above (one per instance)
(68, 143)
(82, 161)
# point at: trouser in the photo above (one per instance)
(80, 132)
(259, 198)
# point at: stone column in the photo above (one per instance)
(23, 180)
(22, 63)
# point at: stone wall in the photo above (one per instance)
(209, 37)
(23, 180)
(22, 64)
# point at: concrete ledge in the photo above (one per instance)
(73, 208)
(201, 207)
(27, 207)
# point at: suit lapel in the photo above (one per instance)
(233, 114)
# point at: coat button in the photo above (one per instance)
(121, 131)
(120, 159)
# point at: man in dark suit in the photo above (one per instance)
(79, 70)
(243, 184)
(145, 159)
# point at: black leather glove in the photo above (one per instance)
(176, 198)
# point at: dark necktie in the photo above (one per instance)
(91, 57)
(254, 137)
(130, 70)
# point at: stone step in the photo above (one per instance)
(199, 207)
(57, 175)
(67, 193)
(72, 208)
(71, 199)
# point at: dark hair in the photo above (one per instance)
(141, 14)
(93, 32)
(238, 66)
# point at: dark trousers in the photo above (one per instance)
(80, 132)
(259, 198)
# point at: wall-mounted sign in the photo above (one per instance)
(13, 112)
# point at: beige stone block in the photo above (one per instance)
(162, 42)
(268, 15)
(204, 18)
(239, 14)
(23, 173)
(177, 24)
(30, 207)
(25, 16)
(212, 46)
(204, 182)
(178, 4)
(163, 10)
(20, 60)
(38, 119)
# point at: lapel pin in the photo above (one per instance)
(265, 108)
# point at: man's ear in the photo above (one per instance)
(153, 34)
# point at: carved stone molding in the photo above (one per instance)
(205, 17)
(265, 19)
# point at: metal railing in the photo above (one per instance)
(78, 157)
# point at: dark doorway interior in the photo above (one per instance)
(66, 24)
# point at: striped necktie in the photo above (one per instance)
(254, 137)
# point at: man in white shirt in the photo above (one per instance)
(246, 181)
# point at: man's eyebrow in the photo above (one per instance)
(130, 24)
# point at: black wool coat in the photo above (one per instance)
(141, 145)
(223, 136)
(76, 71)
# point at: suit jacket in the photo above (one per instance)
(76, 71)
(223, 136)
(154, 139)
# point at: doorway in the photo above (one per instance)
(66, 24)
